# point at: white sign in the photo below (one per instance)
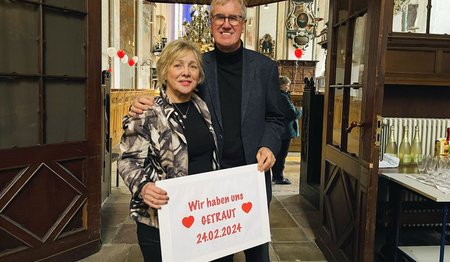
(214, 214)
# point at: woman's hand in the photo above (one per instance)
(140, 104)
(154, 196)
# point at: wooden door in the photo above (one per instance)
(50, 129)
(354, 84)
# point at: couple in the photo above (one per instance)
(237, 122)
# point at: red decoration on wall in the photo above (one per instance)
(298, 53)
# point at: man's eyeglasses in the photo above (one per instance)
(232, 19)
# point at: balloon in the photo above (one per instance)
(111, 51)
(124, 59)
(131, 62)
(298, 52)
(135, 59)
(121, 53)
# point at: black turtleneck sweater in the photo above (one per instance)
(229, 70)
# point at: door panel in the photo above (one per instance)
(24, 59)
(349, 176)
(354, 116)
(50, 130)
(19, 114)
(66, 111)
(65, 50)
(337, 117)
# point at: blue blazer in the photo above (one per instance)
(261, 119)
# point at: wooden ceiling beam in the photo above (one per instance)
(250, 3)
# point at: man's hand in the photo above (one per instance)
(140, 104)
(265, 159)
(154, 196)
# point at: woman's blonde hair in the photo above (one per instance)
(242, 3)
(171, 52)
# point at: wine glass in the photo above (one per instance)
(422, 164)
(442, 170)
(431, 167)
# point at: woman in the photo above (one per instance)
(154, 144)
(291, 115)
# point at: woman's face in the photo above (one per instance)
(182, 77)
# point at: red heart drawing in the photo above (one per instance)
(188, 221)
(246, 207)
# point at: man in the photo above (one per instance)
(242, 94)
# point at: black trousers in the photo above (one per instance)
(255, 254)
(278, 167)
(149, 242)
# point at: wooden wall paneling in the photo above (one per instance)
(418, 59)
(121, 99)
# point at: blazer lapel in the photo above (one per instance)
(248, 73)
(212, 87)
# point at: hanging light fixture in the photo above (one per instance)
(198, 29)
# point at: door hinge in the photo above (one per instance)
(378, 130)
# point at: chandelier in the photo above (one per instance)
(198, 29)
(400, 5)
(301, 23)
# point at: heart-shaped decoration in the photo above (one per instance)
(298, 52)
(246, 207)
(188, 221)
(124, 59)
(111, 51)
(131, 62)
(120, 53)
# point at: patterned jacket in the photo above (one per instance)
(153, 147)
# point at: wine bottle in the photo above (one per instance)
(416, 147)
(391, 146)
(404, 151)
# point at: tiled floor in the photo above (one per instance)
(293, 223)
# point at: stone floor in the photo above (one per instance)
(293, 223)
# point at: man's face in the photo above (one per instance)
(227, 36)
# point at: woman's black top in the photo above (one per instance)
(200, 142)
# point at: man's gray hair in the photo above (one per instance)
(242, 3)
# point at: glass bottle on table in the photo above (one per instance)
(441, 146)
(404, 151)
(416, 147)
(391, 146)
(448, 140)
